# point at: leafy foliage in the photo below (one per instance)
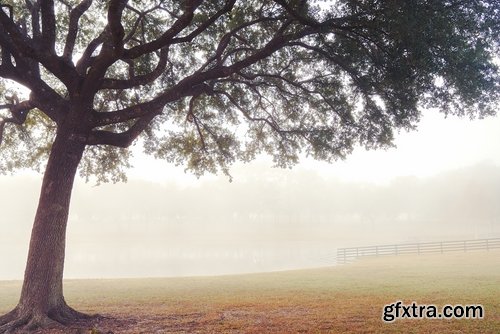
(206, 83)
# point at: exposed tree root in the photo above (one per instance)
(20, 321)
(8, 317)
(26, 323)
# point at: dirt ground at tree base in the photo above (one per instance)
(227, 322)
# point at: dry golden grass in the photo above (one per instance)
(343, 299)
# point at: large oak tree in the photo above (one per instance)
(205, 83)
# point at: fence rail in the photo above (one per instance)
(347, 255)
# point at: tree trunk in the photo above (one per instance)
(42, 302)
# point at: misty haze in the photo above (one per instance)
(380, 119)
(266, 220)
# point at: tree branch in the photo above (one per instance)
(339, 61)
(191, 117)
(48, 26)
(196, 83)
(74, 18)
(115, 27)
(135, 26)
(295, 14)
(270, 122)
(18, 110)
(183, 89)
(6, 47)
(139, 80)
(42, 96)
(122, 139)
(224, 10)
(112, 48)
(86, 59)
(34, 9)
(16, 40)
(141, 15)
(23, 49)
(225, 40)
(166, 38)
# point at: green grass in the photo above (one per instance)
(343, 299)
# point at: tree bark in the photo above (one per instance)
(42, 302)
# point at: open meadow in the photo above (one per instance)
(341, 299)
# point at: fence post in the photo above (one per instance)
(418, 249)
(376, 250)
(465, 246)
(345, 251)
(357, 252)
(487, 245)
(441, 244)
(396, 250)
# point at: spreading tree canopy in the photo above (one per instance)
(206, 83)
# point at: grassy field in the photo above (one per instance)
(343, 299)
